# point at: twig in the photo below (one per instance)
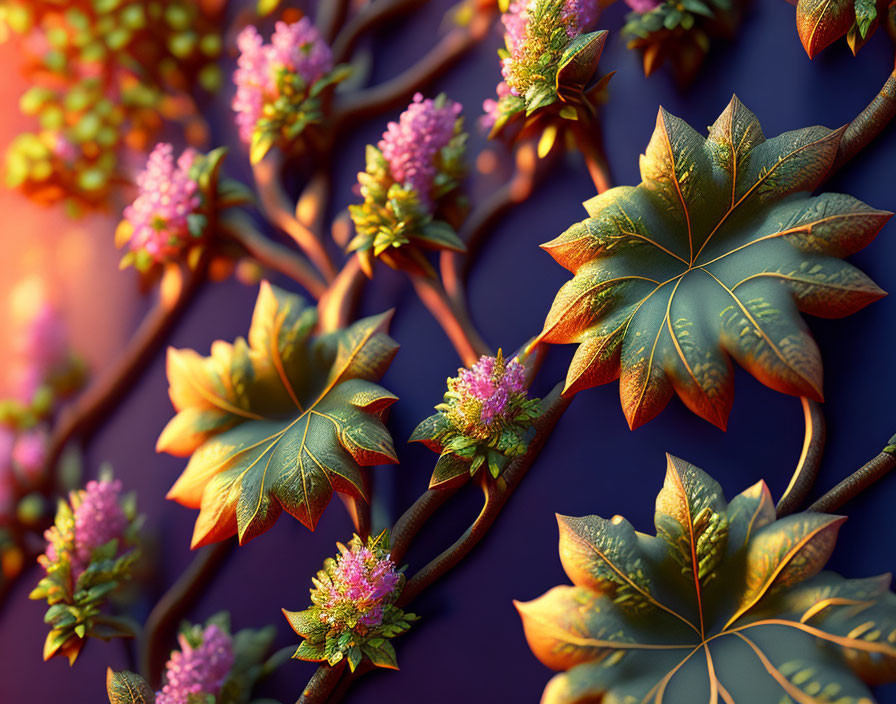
(368, 19)
(806, 472)
(496, 495)
(412, 520)
(163, 619)
(454, 322)
(454, 265)
(339, 301)
(872, 471)
(322, 684)
(82, 417)
(274, 256)
(868, 124)
(590, 141)
(331, 15)
(276, 206)
(397, 91)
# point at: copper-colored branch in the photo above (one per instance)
(322, 684)
(454, 322)
(397, 91)
(160, 627)
(869, 123)
(341, 298)
(807, 468)
(481, 221)
(864, 477)
(372, 16)
(274, 256)
(82, 417)
(496, 495)
(277, 208)
(588, 132)
(331, 16)
(412, 520)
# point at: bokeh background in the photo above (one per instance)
(469, 644)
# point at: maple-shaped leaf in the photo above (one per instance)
(726, 604)
(278, 422)
(712, 256)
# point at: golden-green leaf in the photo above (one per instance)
(711, 257)
(762, 625)
(280, 422)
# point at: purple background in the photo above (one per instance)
(469, 644)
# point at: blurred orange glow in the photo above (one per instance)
(45, 253)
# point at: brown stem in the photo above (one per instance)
(331, 15)
(322, 684)
(454, 265)
(872, 471)
(496, 495)
(588, 132)
(159, 630)
(278, 209)
(274, 256)
(412, 520)
(806, 472)
(455, 323)
(868, 124)
(372, 16)
(397, 91)
(336, 306)
(82, 417)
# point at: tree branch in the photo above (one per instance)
(340, 299)
(454, 322)
(274, 256)
(82, 417)
(806, 472)
(496, 495)
(277, 208)
(372, 16)
(159, 631)
(872, 471)
(397, 91)
(868, 124)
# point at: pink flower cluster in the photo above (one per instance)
(362, 580)
(167, 197)
(202, 670)
(98, 518)
(642, 6)
(296, 47)
(43, 347)
(491, 384)
(410, 145)
(576, 15)
(21, 454)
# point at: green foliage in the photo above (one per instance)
(106, 75)
(394, 223)
(334, 634)
(713, 254)
(680, 32)
(726, 603)
(279, 423)
(76, 601)
(296, 106)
